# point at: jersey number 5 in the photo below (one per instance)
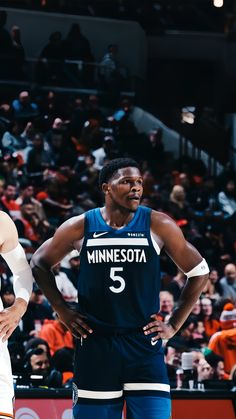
(118, 279)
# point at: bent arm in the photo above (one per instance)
(51, 253)
(14, 255)
(188, 260)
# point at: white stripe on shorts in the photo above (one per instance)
(147, 386)
(87, 394)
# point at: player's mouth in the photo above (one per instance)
(135, 198)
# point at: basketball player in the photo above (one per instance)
(14, 255)
(119, 353)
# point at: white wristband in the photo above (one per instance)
(201, 269)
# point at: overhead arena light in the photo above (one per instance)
(218, 3)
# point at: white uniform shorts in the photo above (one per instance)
(6, 382)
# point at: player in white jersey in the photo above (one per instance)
(14, 255)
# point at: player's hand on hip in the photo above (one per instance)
(10, 318)
(75, 322)
(162, 330)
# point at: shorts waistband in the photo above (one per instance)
(117, 331)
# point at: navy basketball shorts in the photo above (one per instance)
(112, 369)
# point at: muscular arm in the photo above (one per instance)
(186, 257)
(48, 255)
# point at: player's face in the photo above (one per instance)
(125, 188)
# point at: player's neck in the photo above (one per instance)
(116, 218)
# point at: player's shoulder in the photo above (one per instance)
(161, 218)
(74, 227)
(4, 216)
(6, 221)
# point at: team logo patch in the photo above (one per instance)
(75, 394)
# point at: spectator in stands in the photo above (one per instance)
(38, 310)
(6, 47)
(77, 46)
(34, 343)
(27, 192)
(217, 363)
(57, 335)
(70, 265)
(223, 343)
(50, 66)
(23, 107)
(38, 159)
(19, 51)
(213, 288)
(110, 72)
(227, 198)
(176, 284)
(177, 206)
(166, 304)
(107, 151)
(228, 282)
(24, 223)
(64, 285)
(196, 309)
(9, 201)
(204, 371)
(211, 324)
(62, 361)
(12, 140)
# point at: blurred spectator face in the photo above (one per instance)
(40, 363)
(197, 356)
(28, 191)
(10, 192)
(38, 141)
(15, 33)
(173, 357)
(230, 186)
(200, 328)
(15, 128)
(183, 180)
(2, 186)
(57, 123)
(197, 308)
(8, 298)
(204, 370)
(230, 272)
(24, 97)
(89, 160)
(206, 306)
(27, 210)
(166, 302)
(214, 276)
(37, 297)
(220, 370)
(178, 193)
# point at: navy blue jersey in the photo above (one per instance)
(119, 279)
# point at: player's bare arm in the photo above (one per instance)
(14, 255)
(169, 237)
(66, 238)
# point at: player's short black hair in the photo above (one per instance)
(110, 168)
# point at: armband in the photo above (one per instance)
(22, 274)
(201, 269)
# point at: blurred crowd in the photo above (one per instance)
(62, 61)
(52, 148)
(155, 16)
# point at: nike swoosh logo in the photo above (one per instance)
(154, 342)
(96, 235)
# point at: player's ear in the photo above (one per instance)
(105, 188)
